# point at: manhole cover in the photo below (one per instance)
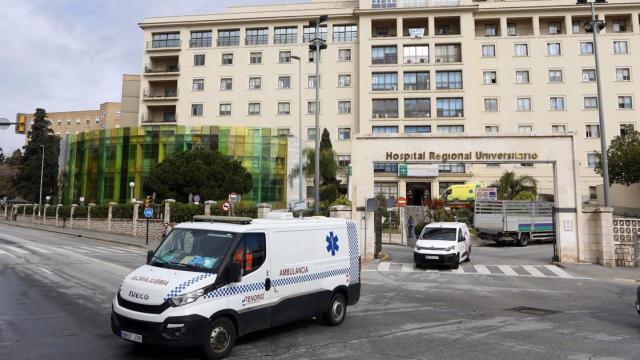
(533, 311)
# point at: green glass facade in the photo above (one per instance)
(99, 165)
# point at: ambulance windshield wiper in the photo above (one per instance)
(162, 261)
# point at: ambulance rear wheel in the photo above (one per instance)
(221, 338)
(337, 310)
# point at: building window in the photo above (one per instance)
(77, 121)
(229, 37)
(68, 122)
(525, 129)
(488, 50)
(344, 160)
(417, 108)
(197, 109)
(226, 84)
(198, 85)
(384, 81)
(87, 122)
(286, 35)
(384, 55)
(593, 193)
(586, 47)
(198, 60)
(311, 107)
(491, 104)
(511, 29)
(345, 33)
(60, 122)
(385, 108)
(257, 36)
(417, 129)
(225, 110)
(490, 30)
(619, 26)
(558, 129)
(344, 107)
(491, 129)
(311, 134)
(523, 104)
(165, 40)
(283, 132)
(416, 54)
(575, 27)
(451, 168)
(344, 134)
(521, 49)
(555, 76)
(556, 103)
(284, 82)
(309, 33)
(450, 129)
(255, 83)
(588, 75)
(311, 82)
(344, 55)
(623, 74)
(387, 189)
(416, 81)
(522, 77)
(620, 47)
(284, 57)
(382, 167)
(626, 129)
(553, 49)
(554, 28)
(592, 131)
(590, 103)
(625, 102)
(254, 109)
(489, 77)
(448, 53)
(344, 80)
(284, 108)
(255, 58)
(200, 39)
(449, 107)
(448, 80)
(592, 160)
(384, 129)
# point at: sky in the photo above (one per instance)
(63, 55)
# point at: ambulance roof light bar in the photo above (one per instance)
(223, 219)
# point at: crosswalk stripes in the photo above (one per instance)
(537, 271)
(24, 249)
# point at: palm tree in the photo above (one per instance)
(512, 187)
(329, 168)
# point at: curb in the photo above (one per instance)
(558, 264)
(383, 257)
(92, 237)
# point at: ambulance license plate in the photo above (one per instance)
(131, 336)
(432, 257)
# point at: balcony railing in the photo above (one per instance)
(385, 114)
(158, 94)
(416, 59)
(229, 41)
(164, 44)
(147, 118)
(200, 43)
(391, 4)
(172, 68)
(448, 58)
(385, 87)
(416, 86)
(345, 37)
(387, 59)
(257, 40)
(285, 39)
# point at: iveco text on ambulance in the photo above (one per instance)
(218, 278)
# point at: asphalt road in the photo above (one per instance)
(56, 305)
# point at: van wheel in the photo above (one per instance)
(337, 310)
(221, 338)
(457, 263)
(468, 259)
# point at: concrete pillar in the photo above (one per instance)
(73, 210)
(44, 216)
(57, 213)
(33, 213)
(503, 26)
(167, 210)
(635, 20)
(340, 212)
(6, 206)
(568, 27)
(435, 188)
(207, 206)
(134, 228)
(536, 27)
(263, 210)
(110, 215)
(24, 210)
(608, 257)
(89, 215)
(432, 30)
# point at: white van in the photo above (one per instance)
(217, 278)
(443, 243)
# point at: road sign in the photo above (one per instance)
(299, 206)
(148, 201)
(403, 170)
(402, 202)
(372, 205)
(390, 202)
(487, 194)
(226, 206)
(4, 124)
(148, 213)
(196, 198)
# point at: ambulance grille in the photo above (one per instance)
(148, 309)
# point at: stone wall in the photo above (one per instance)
(626, 234)
(597, 236)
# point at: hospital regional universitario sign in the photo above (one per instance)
(460, 156)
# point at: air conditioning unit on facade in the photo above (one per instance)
(423, 60)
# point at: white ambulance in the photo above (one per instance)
(217, 278)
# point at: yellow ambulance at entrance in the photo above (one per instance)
(462, 192)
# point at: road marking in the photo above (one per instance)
(481, 269)
(37, 249)
(112, 249)
(94, 250)
(73, 249)
(558, 271)
(2, 252)
(127, 249)
(407, 268)
(507, 270)
(533, 271)
(384, 266)
(459, 270)
(17, 249)
(45, 270)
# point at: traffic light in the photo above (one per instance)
(148, 201)
(21, 123)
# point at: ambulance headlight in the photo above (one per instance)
(187, 298)
(451, 248)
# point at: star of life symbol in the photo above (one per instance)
(332, 243)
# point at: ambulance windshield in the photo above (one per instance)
(193, 249)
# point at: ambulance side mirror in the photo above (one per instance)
(149, 256)
(235, 272)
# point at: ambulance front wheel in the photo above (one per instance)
(337, 310)
(221, 338)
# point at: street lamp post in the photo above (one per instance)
(301, 144)
(41, 177)
(132, 185)
(595, 26)
(317, 44)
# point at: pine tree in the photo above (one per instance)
(325, 141)
(28, 179)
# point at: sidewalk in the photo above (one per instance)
(620, 275)
(95, 235)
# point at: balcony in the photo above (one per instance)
(519, 27)
(386, 28)
(159, 116)
(160, 94)
(229, 41)
(285, 39)
(200, 43)
(415, 28)
(446, 26)
(487, 27)
(552, 26)
(256, 40)
(161, 45)
(161, 69)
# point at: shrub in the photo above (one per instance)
(418, 228)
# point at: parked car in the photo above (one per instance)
(443, 243)
(638, 301)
